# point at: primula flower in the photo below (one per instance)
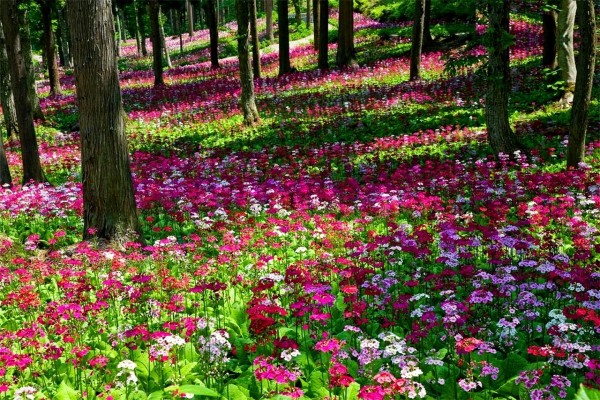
(467, 345)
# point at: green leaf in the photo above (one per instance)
(158, 395)
(235, 392)
(316, 385)
(65, 392)
(187, 368)
(198, 390)
(352, 391)
(586, 393)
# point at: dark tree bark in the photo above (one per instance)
(179, 28)
(346, 55)
(255, 42)
(141, 12)
(308, 11)
(19, 79)
(550, 19)
(501, 137)
(213, 31)
(284, 37)
(6, 96)
(583, 85)
(316, 24)
(27, 55)
(49, 48)
(155, 38)
(190, 17)
(247, 100)
(323, 34)
(427, 38)
(269, 20)
(5, 177)
(297, 12)
(417, 40)
(62, 38)
(109, 210)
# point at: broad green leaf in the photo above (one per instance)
(235, 392)
(586, 393)
(198, 390)
(352, 391)
(65, 392)
(158, 395)
(316, 385)
(187, 368)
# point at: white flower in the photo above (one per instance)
(288, 354)
(127, 364)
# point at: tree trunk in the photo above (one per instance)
(49, 49)
(566, 55)
(417, 40)
(255, 42)
(297, 12)
(550, 46)
(500, 135)
(179, 29)
(247, 100)
(141, 11)
(308, 11)
(6, 96)
(19, 78)
(284, 37)
(346, 55)
(164, 45)
(66, 41)
(117, 42)
(121, 15)
(427, 38)
(190, 17)
(269, 20)
(5, 177)
(583, 87)
(27, 54)
(211, 17)
(155, 38)
(323, 34)
(316, 24)
(109, 210)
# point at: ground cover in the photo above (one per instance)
(359, 243)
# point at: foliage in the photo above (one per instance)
(359, 243)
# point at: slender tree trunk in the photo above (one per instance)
(190, 17)
(118, 31)
(255, 42)
(164, 46)
(550, 19)
(6, 95)
(211, 17)
(323, 34)
(49, 49)
(566, 55)
(417, 40)
(19, 78)
(500, 135)
(297, 12)
(109, 210)
(121, 15)
(269, 20)
(308, 11)
(247, 101)
(65, 44)
(346, 55)
(316, 24)
(155, 38)
(179, 29)
(5, 177)
(427, 38)
(586, 61)
(28, 60)
(284, 37)
(141, 11)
